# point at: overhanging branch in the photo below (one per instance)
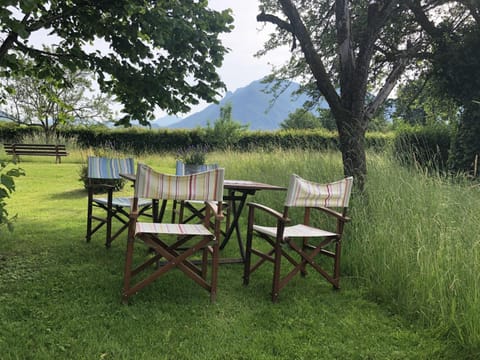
(262, 17)
(296, 27)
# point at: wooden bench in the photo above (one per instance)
(36, 150)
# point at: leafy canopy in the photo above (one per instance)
(160, 53)
(301, 119)
(225, 131)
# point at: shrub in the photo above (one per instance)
(427, 147)
(101, 185)
(7, 186)
(193, 155)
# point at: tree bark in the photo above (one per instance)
(351, 135)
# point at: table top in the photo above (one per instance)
(250, 185)
(232, 184)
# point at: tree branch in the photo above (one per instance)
(262, 17)
(312, 57)
(11, 39)
(376, 19)
(422, 18)
(387, 87)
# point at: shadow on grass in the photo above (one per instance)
(71, 194)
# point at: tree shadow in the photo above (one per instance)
(69, 195)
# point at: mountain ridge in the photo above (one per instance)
(250, 105)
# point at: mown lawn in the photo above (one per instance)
(60, 297)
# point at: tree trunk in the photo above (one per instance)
(351, 132)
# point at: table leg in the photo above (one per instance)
(234, 226)
(157, 211)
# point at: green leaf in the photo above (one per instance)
(8, 182)
(28, 5)
(3, 193)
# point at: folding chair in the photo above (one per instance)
(183, 246)
(280, 239)
(102, 173)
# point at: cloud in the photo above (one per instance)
(240, 66)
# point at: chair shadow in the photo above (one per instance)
(69, 195)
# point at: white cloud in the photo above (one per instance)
(240, 67)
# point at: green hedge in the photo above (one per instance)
(428, 147)
(135, 140)
(138, 140)
(288, 139)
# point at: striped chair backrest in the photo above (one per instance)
(304, 193)
(109, 168)
(207, 186)
(182, 169)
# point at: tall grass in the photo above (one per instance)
(414, 243)
(414, 240)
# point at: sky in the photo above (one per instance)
(240, 67)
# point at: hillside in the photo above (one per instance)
(250, 105)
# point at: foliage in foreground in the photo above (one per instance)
(7, 187)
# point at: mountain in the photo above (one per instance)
(166, 121)
(250, 105)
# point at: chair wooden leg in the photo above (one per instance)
(128, 269)
(89, 217)
(336, 269)
(213, 290)
(205, 262)
(181, 212)
(108, 238)
(303, 270)
(174, 211)
(276, 271)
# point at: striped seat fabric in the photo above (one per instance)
(330, 199)
(102, 173)
(174, 244)
(206, 186)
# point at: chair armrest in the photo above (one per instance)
(214, 207)
(274, 213)
(100, 185)
(333, 213)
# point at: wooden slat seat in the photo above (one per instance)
(36, 150)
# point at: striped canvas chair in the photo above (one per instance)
(186, 247)
(102, 174)
(330, 199)
(189, 211)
